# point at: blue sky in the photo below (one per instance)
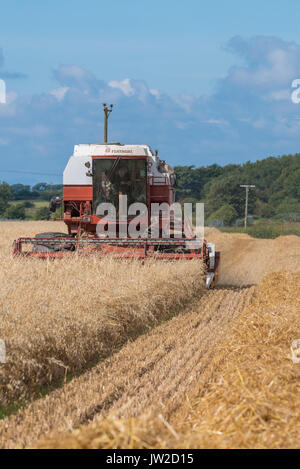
(205, 82)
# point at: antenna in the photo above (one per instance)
(107, 110)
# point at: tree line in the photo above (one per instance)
(16, 199)
(277, 192)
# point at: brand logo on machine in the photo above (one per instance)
(2, 92)
(126, 151)
(117, 151)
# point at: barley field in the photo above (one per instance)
(131, 355)
(57, 317)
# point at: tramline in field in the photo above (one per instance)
(105, 174)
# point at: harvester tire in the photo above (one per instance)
(53, 247)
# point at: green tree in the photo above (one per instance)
(227, 213)
(42, 213)
(264, 210)
(227, 191)
(289, 205)
(21, 192)
(5, 197)
(191, 180)
(41, 186)
(292, 184)
(275, 179)
(15, 212)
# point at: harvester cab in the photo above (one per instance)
(109, 193)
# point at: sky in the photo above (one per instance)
(204, 82)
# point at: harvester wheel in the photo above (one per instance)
(52, 247)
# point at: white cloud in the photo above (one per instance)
(250, 114)
(59, 93)
(124, 86)
(185, 101)
(77, 78)
(155, 93)
(270, 61)
(217, 122)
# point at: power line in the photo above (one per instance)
(29, 172)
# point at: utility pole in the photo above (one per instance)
(107, 111)
(247, 187)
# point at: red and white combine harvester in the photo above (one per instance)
(99, 176)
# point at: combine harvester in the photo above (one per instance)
(99, 174)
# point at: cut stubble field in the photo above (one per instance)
(159, 361)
